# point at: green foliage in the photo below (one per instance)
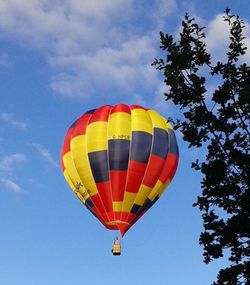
(223, 130)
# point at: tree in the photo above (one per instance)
(221, 126)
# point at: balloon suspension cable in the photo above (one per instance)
(116, 249)
(117, 235)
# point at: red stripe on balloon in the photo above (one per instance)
(121, 108)
(101, 114)
(118, 183)
(99, 205)
(81, 125)
(66, 144)
(153, 171)
(105, 194)
(132, 107)
(169, 168)
(136, 172)
(66, 147)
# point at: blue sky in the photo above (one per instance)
(59, 59)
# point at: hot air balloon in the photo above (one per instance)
(119, 160)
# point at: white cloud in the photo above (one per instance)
(126, 67)
(7, 166)
(90, 44)
(217, 36)
(45, 154)
(64, 27)
(246, 57)
(165, 8)
(8, 163)
(158, 100)
(10, 118)
(11, 185)
(218, 32)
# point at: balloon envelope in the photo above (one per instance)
(119, 160)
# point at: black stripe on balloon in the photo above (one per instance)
(173, 148)
(99, 165)
(135, 209)
(118, 151)
(140, 146)
(89, 203)
(147, 204)
(90, 111)
(160, 143)
(91, 210)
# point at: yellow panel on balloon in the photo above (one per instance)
(72, 177)
(141, 121)
(157, 120)
(142, 195)
(158, 189)
(117, 206)
(71, 184)
(97, 136)
(80, 198)
(70, 168)
(128, 201)
(119, 126)
(164, 187)
(81, 161)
